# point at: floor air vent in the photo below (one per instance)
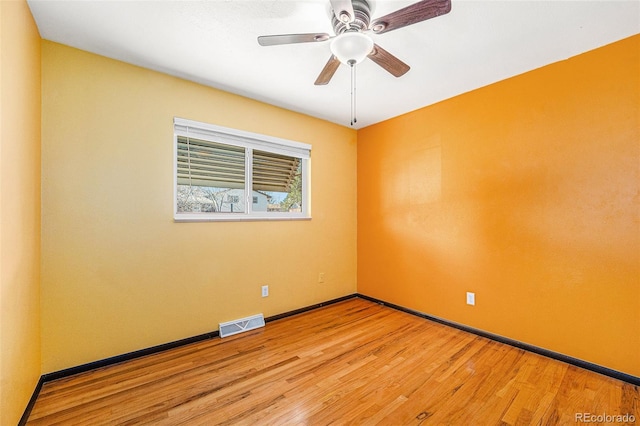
(240, 325)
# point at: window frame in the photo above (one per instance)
(249, 141)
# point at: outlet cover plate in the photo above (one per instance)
(471, 298)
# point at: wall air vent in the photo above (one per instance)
(240, 325)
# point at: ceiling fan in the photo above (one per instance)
(351, 44)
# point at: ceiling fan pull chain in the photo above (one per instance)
(353, 92)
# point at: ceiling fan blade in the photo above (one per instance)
(273, 40)
(387, 61)
(343, 10)
(327, 72)
(417, 12)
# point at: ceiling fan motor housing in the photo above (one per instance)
(362, 18)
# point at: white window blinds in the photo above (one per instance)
(204, 163)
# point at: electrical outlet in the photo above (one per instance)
(471, 298)
(321, 277)
(265, 290)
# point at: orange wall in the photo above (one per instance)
(118, 274)
(19, 209)
(526, 192)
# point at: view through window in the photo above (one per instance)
(220, 175)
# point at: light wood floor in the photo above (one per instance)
(354, 362)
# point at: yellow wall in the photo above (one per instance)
(118, 273)
(19, 209)
(525, 192)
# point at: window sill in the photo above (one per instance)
(194, 217)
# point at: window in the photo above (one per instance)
(227, 174)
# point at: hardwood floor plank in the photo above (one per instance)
(354, 362)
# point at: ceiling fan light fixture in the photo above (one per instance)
(351, 47)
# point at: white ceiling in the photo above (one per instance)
(214, 43)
